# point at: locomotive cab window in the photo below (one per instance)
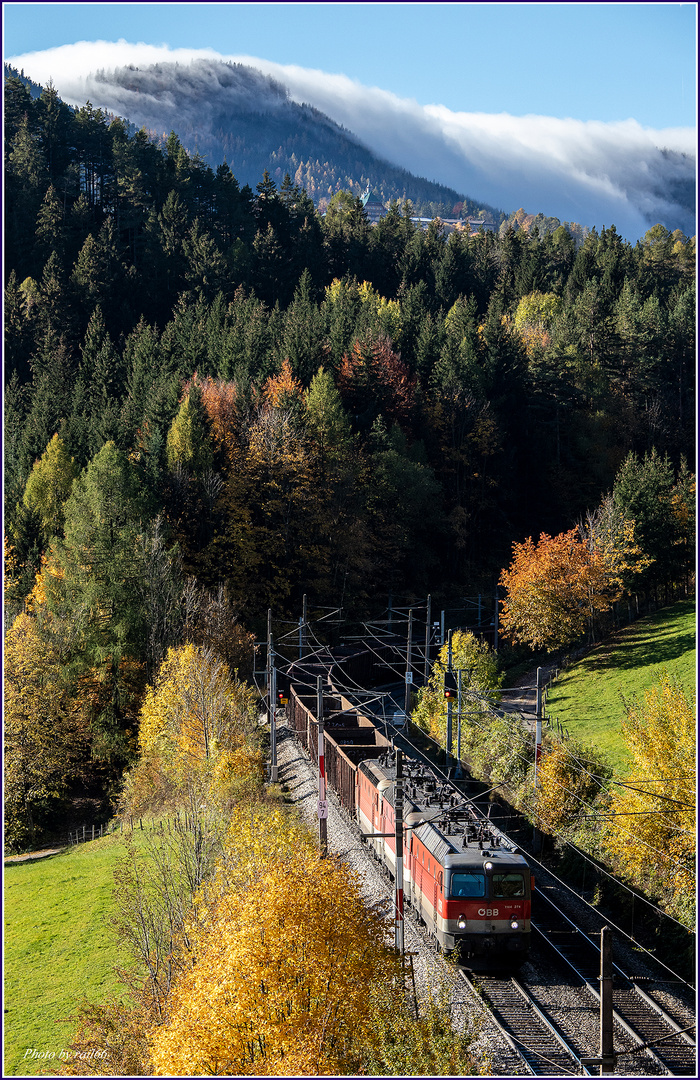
(467, 884)
(505, 885)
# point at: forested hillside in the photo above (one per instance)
(217, 401)
(233, 113)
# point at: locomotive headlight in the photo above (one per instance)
(462, 922)
(515, 925)
(488, 866)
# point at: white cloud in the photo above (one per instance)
(592, 172)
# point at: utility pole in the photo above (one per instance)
(426, 668)
(538, 722)
(322, 800)
(304, 624)
(537, 838)
(449, 702)
(458, 773)
(495, 622)
(273, 721)
(398, 810)
(269, 650)
(409, 671)
(442, 628)
(271, 697)
(607, 1058)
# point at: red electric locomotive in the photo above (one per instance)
(462, 876)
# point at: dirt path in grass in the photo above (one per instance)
(523, 698)
(30, 856)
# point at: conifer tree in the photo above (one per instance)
(189, 442)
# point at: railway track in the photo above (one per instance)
(532, 1036)
(556, 1033)
(641, 1023)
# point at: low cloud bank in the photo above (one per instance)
(595, 173)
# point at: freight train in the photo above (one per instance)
(462, 877)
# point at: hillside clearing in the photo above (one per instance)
(589, 697)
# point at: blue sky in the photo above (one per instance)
(606, 62)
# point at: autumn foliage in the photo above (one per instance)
(651, 834)
(280, 982)
(373, 373)
(197, 730)
(480, 677)
(568, 784)
(557, 586)
(45, 736)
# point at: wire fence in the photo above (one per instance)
(85, 833)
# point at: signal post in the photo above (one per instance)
(398, 813)
(322, 797)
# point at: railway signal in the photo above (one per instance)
(450, 690)
(282, 698)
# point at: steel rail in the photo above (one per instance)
(642, 1044)
(640, 1041)
(673, 1024)
(539, 1062)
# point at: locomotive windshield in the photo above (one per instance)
(467, 884)
(504, 885)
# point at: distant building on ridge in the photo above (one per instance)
(375, 211)
(372, 205)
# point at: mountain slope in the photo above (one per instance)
(223, 110)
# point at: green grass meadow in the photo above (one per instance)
(589, 696)
(58, 949)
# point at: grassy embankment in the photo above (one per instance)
(589, 696)
(58, 949)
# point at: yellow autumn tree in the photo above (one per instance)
(197, 725)
(480, 679)
(44, 733)
(534, 317)
(281, 977)
(651, 835)
(568, 788)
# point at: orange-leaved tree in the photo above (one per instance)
(557, 586)
(548, 591)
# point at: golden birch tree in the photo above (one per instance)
(281, 977)
(651, 834)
